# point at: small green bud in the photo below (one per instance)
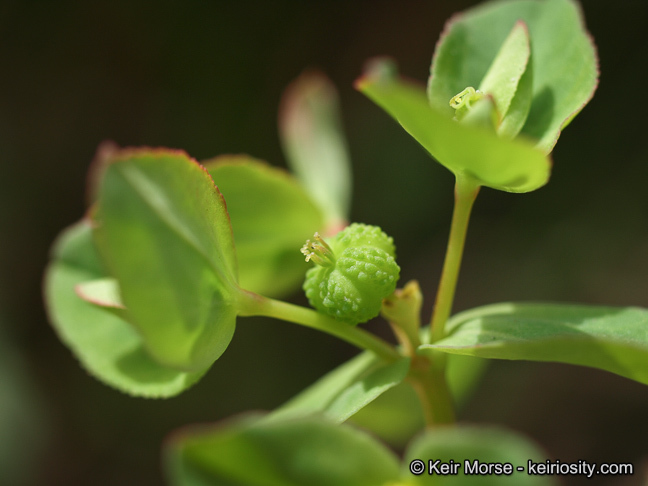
(463, 102)
(355, 271)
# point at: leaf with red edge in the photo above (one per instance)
(162, 230)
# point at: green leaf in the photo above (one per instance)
(311, 134)
(376, 397)
(107, 346)
(396, 415)
(297, 452)
(608, 338)
(503, 76)
(162, 230)
(507, 165)
(342, 392)
(503, 81)
(518, 111)
(565, 65)
(271, 217)
(463, 444)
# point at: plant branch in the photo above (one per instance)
(466, 191)
(257, 305)
(432, 389)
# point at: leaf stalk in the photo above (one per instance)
(466, 190)
(256, 305)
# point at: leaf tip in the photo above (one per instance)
(311, 84)
(105, 151)
(376, 70)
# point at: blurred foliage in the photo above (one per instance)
(23, 422)
(207, 77)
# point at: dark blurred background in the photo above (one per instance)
(207, 77)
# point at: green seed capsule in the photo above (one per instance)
(355, 271)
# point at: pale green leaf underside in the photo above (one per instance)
(297, 452)
(107, 346)
(315, 146)
(162, 230)
(607, 338)
(518, 111)
(508, 165)
(345, 390)
(103, 292)
(565, 65)
(485, 444)
(503, 81)
(272, 216)
(504, 74)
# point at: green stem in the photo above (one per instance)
(428, 376)
(432, 389)
(465, 194)
(257, 305)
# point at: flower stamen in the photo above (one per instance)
(318, 251)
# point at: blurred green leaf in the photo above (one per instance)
(162, 229)
(271, 217)
(345, 390)
(463, 374)
(311, 134)
(608, 338)
(375, 396)
(565, 64)
(507, 165)
(296, 452)
(484, 444)
(396, 415)
(107, 346)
